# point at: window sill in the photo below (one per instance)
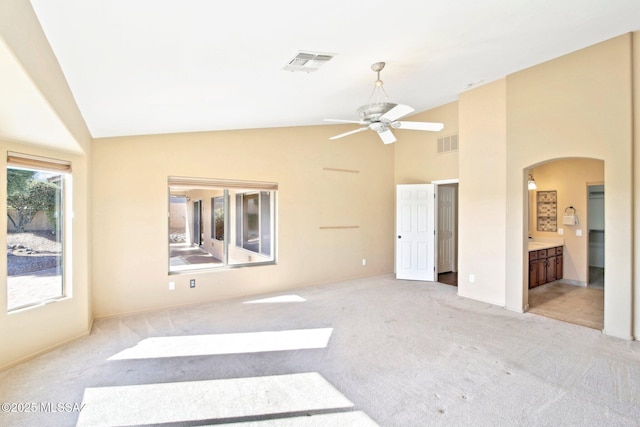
(35, 305)
(221, 268)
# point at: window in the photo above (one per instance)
(236, 228)
(217, 219)
(36, 189)
(253, 212)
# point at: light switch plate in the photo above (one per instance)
(579, 233)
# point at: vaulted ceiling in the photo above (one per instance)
(159, 66)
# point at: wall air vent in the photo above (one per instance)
(448, 143)
(308, 61)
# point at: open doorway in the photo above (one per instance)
(447, 233)
(427, 232)
(595, 217)
(559, 245)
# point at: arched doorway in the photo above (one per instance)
(559, 241)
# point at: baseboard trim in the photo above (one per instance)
(518, 309)
(233, 297)
(498, 304)
(573, 282)
(623, 337)
(24, 359)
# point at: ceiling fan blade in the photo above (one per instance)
(344, 121)
(418, 126)
(387, 136)
(349, 133)
(396, 112)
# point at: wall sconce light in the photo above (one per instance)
(531, 183)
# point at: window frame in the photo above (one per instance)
(60, 169)
(227, 255)
(242, 217)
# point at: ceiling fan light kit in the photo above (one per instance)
(381, 116)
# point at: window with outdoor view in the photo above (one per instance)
(35, 229)
(217, 223)
(253, 211)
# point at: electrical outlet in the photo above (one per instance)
(192, 283)
(472, 278)
(579, 233)
(172, 286)
(364, 261)
(560, 231)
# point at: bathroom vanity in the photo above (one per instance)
(545, 263)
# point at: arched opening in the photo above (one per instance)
(566, 234)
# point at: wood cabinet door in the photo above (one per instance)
(542, 271)
(551, 269)
(545, 265)
(533, 274)
(559, 267)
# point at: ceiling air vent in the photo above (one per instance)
(448, 143)
(308, 61)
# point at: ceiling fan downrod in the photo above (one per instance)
(378, 96)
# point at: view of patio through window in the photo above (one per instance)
(219, 223)
(35, 230)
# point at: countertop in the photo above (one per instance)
(536, 245)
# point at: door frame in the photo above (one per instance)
(589, 224)
(436, 184)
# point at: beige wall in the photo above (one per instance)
(417, 159)
(578, 105)
(482, 191)
(130, 206)
(28, 332)
(636, 184)
(569, 178)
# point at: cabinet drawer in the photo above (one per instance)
(558, 250)
(542, 253)
(533, 255)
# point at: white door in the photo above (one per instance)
(446, 228)
(415, 232)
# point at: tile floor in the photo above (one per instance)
(580, 305)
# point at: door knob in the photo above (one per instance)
(399, 237)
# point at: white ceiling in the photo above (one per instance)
(160, 66)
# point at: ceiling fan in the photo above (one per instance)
(381, 116)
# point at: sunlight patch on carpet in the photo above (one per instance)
(225, 399)
(250, 342)
(278, 299)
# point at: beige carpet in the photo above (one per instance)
(354, 353)
(569, 303)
